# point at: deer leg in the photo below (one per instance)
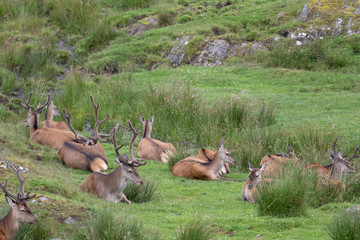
(124, 199)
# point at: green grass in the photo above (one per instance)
(194, 230)
(345, 225)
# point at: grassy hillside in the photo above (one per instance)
(260, 101)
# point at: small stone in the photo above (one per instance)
(70, 220)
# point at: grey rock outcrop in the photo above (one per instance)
(142, 26)
(213, 53)
(304, 13)
(354, 209)
(177, 52)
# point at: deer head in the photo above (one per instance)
(341, 164)
(21, 211)
(128, 164)
(147, 125)
(224, 154)
(255, 174)
(37, 109)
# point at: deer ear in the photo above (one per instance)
(263, 166)
(152, 118)
(10, 201)
(251, 167)
(142, 118)
(221, 145)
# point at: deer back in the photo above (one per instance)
(89, 158)
(320, 169)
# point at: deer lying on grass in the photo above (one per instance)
(19, 213)
(340, 165)
(207, 155)
(249, 190)
(150, 148)
(51, 111)
(51, 137)
(326, 169)
(275, 161)
(195, 168)
(110, 186)
(82, 152)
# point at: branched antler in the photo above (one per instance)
(354, 154)
(98, 136)
(26, 104)
(86, 141)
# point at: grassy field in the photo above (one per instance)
(260, 104)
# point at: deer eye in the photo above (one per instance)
(130, 171)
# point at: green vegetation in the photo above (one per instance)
(260, 102)
(346, 225)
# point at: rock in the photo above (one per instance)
(213, 53)
(354, 209)
(279, 17)
(177, 52)
(142, 26)
(304, 13)
(70, 220)
(357, 10)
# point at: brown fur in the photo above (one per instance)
(150, 148)
(90, 158)
(274, 163)
(250, 190)
(195, 168)
(58, 125)
(207, 155)
(320, 169)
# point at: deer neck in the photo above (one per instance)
(34, 125)
(216, 164)
(116, 180)
(336, 172)
(10, 224)
(48, 114)
(147, 129)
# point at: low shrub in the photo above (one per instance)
(346, 225)
(194, 230)
(140, 194)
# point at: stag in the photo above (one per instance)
(51, 137)
(20, 211)
(110, 186)
(82, 152)
(150, 148)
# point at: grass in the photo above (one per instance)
(140, 194)
(345, 225)
(194, 230)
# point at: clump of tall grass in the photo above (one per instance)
(352, 192)
(37, 231)
(181, 154)
(197, 229)
(286, 197)
(142, 193)
(105, 225)
(346, 225)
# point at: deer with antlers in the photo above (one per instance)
(195, 168)
(275, 162)
(82, 152)
(20, 211)
(150, 148)
(51, 111)
(340, 165)
(51, 137)
(343, 163)
(110, 186)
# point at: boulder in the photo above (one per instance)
(177, 52)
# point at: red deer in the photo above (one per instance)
(325, 170)
(275, 161)
(195, 168)
(20, 211)
(51, 111)
(150, 148)
(82, 152)
(340, 165)
(51, 137)
(249, 190)
(207, 155)
(110, 186)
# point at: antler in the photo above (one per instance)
(354, 154)
(21, 195)
(120, 157)
(335, 153)
(85, 140)
(96, 134)
(39, 109)
(133, 161)
(26, 104)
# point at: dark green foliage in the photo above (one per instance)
(105, 226)
(352, 193)
(346, 225)
(197, 229)
(165, 17)
(37, 231)
(184, 19)
(142, 193)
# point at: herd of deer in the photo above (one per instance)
(80, 152)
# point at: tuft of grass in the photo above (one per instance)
(140, 194)
(105, 226)
(286, 197)
(38, 231)
(346, 225)
(352, 192)
(196, 229)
